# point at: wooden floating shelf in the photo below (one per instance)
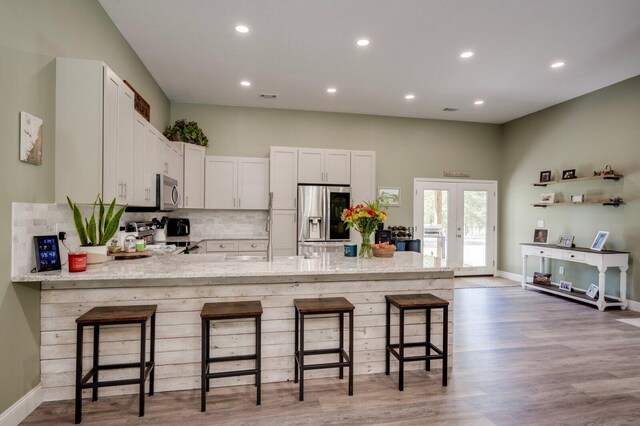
(580, 179)
(600, 203)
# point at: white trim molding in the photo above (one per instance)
(632, 305)
(22, 407)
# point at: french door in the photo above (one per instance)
(457, 223)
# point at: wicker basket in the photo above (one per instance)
(384, 252)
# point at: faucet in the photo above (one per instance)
(269, 230)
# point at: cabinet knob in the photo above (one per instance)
(222, 245)
(254, 245)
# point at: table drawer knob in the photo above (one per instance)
(254, 245)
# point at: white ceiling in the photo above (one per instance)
(298, 48)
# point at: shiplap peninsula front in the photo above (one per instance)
(181, 284)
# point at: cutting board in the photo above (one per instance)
(134, 255)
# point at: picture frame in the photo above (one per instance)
(569, 174)
(547, 198)
(565, 286)
(541, 278)
(565, 241)
(600, 240)
(545, 176)
(592, 292)
(541, 236)
(31, 139)
(577, 198)
(389, 196)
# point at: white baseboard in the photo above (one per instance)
(633, 305)
(22, 408)
(509, 276)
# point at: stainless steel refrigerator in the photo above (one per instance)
(320, 228)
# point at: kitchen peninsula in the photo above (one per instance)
(181, 284)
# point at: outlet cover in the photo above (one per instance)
(541, 224)
(561, 271)
(60, 227)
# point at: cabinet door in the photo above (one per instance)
(363, 177)
(139, 190)
(283, 177)
(220, 182)
(337, 166)
(253, 183)
(126, 119)
(152, 151)
(310, 165)
(284, 233)
(193, 176)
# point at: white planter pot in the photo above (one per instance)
(96, 255)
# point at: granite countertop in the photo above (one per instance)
(213, 237)
(213, 266)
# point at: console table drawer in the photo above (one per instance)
(574, 256)
(538, 251)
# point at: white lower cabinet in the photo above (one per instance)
(238, 247)
(236, 183)
(284, 230)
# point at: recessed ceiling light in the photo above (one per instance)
(479, 102)
(557, 65)
(332, 90)
(362, 42)
(409, 96)
(245, 83)
(466, 55)
(242, 29)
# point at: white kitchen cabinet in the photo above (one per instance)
(94, 131)
(284, 238)
(324, 166)
(363, 177)
(144, 170)
(193, 182)
(253, 183)
(283, 177)
(236, 183)
(221, 185)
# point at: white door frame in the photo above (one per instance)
(417, 209)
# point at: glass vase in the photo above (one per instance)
(366, 252)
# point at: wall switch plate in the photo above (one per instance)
(561, 271)
(60, 227)
(541, 224)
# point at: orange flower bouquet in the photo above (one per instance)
(365, 219)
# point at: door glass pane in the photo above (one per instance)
(434, 239)
(474, 252)
(338, 201)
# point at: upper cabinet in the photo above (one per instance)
(144, 172)
(363, 177)
(324, 166)
(193, 182)
(283, 177)
(94, 133)
(236, 183)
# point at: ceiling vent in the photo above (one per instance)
(449, 109)
(268, 96)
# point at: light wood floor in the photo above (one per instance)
(483, 282)
(521, 358)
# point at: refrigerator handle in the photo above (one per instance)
(326, 211)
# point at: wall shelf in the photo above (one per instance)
(599, 203)
(581, 179)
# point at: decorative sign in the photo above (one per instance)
(565, 285)
(449, 173)
(30, 138)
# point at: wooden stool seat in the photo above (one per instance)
(325, 305)
(416, 301)
(224, 310)
(114, 314)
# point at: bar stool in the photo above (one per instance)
(323, 306)
(112, 315)
(407, 302)
(227, 311)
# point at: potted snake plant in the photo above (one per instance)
(95, 233)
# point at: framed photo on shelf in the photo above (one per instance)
(541, 236)
(600, 240)
(545, 176)
(548, 198)
(566, 241)
(569, 174)
(577, 198)
(592, 292)
(565, 285)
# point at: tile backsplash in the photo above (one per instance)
(29, 220)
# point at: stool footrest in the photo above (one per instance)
(232, 358)
(324, 351)
(149, 366)
(418, 344)
(326, 365)
(223, 374)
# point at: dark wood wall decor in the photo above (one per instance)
(140, 104)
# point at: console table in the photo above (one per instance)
(600, 259)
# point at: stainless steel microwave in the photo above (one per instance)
(167, 193)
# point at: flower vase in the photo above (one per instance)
(366, 252)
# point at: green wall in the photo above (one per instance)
(405, 147)
(585, 133)
(32, 34)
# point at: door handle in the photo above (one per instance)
(125, 190)
(234, 202)
(120, 189)
(239, 202)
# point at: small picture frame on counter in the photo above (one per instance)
(569, 174)
(566, 241)
(592, 292)
(566, 286)
(541, 236)
(545, 176)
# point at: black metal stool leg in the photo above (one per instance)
(203, 384)
(387, 353)
(258, 359)
(79, 339)
(96, 352)
(445, 344)
(350, 352)
(401, 352)
(143, 348)
(428, 348)
(208, 353)
(152, 354)
(341, 358)
(301, 355)
(296, 350)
